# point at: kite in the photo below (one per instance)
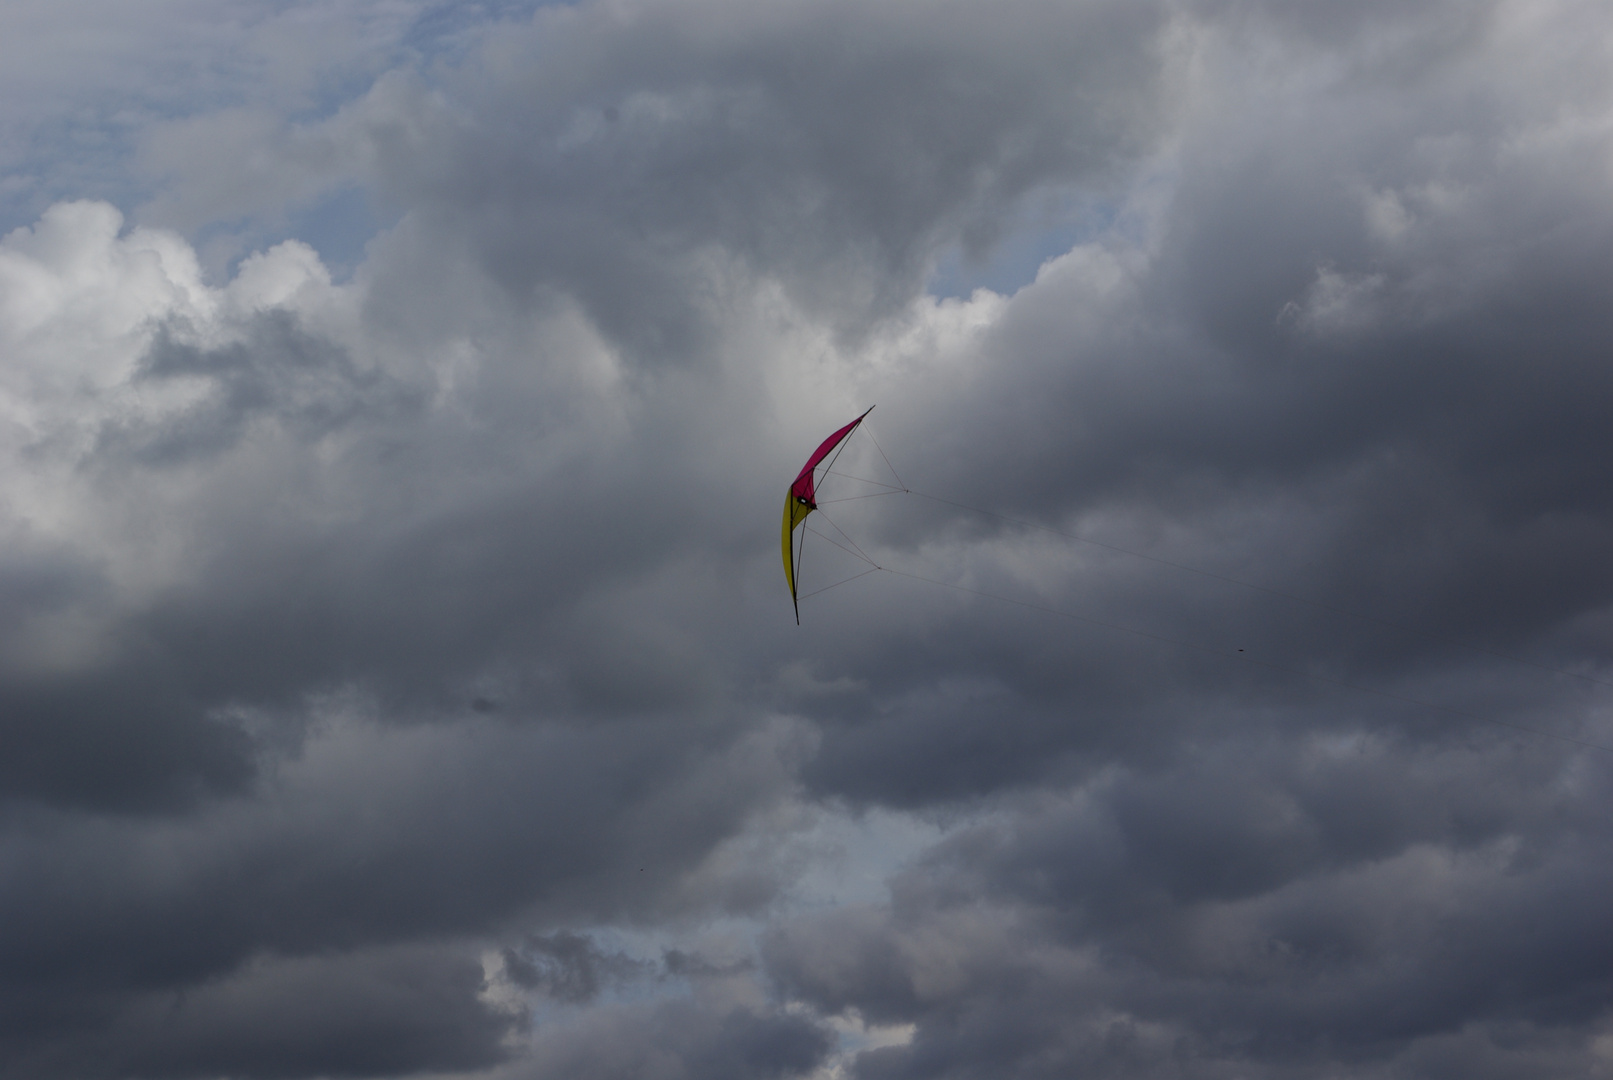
(801, 500)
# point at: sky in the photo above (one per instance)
(397, 674)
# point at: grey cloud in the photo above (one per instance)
(1268, 961)
(619, 156)
(1432, 460)
(444, 616)
(432, 831)
(569, 967)
(305, 385)
(684, 1039)
(416, 1009)
(85, 85)
(131, 736)
(692, 965)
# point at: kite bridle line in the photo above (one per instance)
(853, 550)
(1320, 605)
(881, 450)
(856, 427)
(843, 581)
(1218, 651)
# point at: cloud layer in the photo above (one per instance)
(395, 674)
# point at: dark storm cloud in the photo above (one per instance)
(552, 826)
(361, 630)
(426, 832)
(683, 1040)
(1360, 367)
(131, 736)
(288, 1018)
(1306, 387)
(1271, 914)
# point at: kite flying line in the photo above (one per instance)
(902, 489)
(801, 502)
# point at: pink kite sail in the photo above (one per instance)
(801, 500)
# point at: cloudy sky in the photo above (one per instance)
(397, 674)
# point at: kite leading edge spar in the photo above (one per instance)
(801, 500)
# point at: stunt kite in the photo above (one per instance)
(801, 500)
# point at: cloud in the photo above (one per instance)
(569, 967)
(679, 1040)
(1257, 960)
(294, 1017)
(609, 152)
(395, 675)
